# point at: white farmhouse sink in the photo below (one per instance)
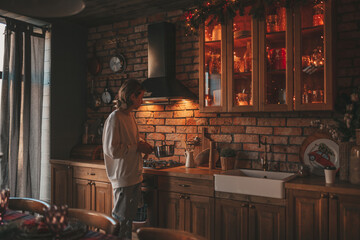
(253, 182)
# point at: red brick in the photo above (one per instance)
(156, 136)
(210, 129)
(275, 139)
(232, 129)
(220, 121)
(259, 130)
(170, 121)
(151, 108)
(121, 24)
(154, 121)
(181, 114)
(286, 149)
(197, 121)
(271, 122)
(159, 17)
(287, 131)
(138, 21)
(165, 129)
(248, 138)
(293, 158)
(253, 147)
(138, 67)
(244, 121)
(184, 61)
(248, 155)
(163, 114)
(296, 140)
(144, 114)
(186, 129)
(146, 128)
(221, 138)
(279, 157)
(197, 113)
(299, 122)
(176, 137)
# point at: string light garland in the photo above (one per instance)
(217, 10)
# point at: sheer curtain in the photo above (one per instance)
(21, 110)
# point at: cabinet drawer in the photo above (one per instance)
(186, 185)
(91, 174)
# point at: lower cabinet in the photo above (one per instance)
(185, 210)
(322, 215)
(243, 220)
(61, 184)
(91, 194)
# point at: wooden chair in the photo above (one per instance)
(150, 233)
(27, 205)
(98, 220)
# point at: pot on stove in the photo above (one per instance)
(164, 150)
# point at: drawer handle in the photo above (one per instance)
(181, 196)
(251, 206)
(244, 205)
(187, 197)
(333, 196)
(92, 174)
(324, 195)
(184, 185)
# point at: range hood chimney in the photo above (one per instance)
(161, 84)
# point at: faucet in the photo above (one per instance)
(264, 160)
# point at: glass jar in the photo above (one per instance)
(318, 17)
(354, 163)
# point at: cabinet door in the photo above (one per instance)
(313, 56)
(307, 215)
(266, 222)
(231, 220)
(102, 201)
(61, 184)
(275, 60)
(171, 210)
(344, 215)
(199, 215)
(82, 194)
(242, 63)
(212, 67)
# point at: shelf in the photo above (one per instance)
(312, 30)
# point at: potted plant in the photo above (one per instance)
(227, 158)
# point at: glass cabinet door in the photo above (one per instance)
(275, 61)
(313, 63)
(212, 86)
(242, 74)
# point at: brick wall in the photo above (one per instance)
(179, 122)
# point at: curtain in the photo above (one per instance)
(21, 110)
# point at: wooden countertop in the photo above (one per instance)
(316, 183)
(182, 171)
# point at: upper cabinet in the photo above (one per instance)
(282, 62)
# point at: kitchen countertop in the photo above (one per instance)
(182, 171)
(316, 183)
(311, 183)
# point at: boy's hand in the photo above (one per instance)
(144, 147)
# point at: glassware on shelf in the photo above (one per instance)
(272, 23)
(208, 100)
(216, 33)
(318, 15)
(279, 59)
(242, 99)
(248, 58)
(217, 99)
(317, 58)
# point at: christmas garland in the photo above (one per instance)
(217, 10)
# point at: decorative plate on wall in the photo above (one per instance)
(319, 151)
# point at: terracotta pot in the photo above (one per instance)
(227, 163)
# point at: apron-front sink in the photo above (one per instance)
(253, 182)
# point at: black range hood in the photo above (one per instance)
(161, 85)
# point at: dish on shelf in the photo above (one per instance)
(319, 151)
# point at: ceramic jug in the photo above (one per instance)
(189, 156)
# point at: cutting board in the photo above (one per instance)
(201, 152)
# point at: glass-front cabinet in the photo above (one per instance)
(212, 87)
(282, 62)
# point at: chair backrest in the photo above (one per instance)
(95, 219)
(150, 233)
(28, 204)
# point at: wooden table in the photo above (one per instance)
(18, 217)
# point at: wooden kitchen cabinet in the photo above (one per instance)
(61, 184)
(243, 220)
(281, 63)
(322, 215)
(186, 204)
(92, 190)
